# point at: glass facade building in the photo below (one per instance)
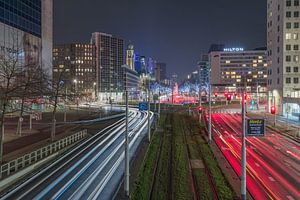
(22, 14)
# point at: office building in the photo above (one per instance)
(283, 43)
(26, 29)
(203, 70)
(109, 59)
(137, 63)
(75, 66)
(233, 69)
(130, 61)
(160, 71)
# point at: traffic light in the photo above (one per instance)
(200, 109)
(252, 102)
(216, 94)
(245, 97)
(273, 110)
(228, 97)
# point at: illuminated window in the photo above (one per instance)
(61, 66)
(265, 65)
(227, 61)
(254, 61)
(238, 76)
(238, 80)
(260, 72)
(260, 57)
(233, 77)
(244, 65)
(249, 80)
(254, 76)
(227, 73)
(249, 72)
(232, 72)
(288, 36)
(265, 76)
(295, 36)
(259, 61)
(55, 70)
(254, 65)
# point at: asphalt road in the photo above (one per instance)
(273, 162)
(85, 171)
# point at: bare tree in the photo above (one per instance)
(56, 94)
(30, 87)
(9, 71)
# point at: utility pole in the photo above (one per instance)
(126, 184)
(209, 109)
(149, 131)
(243, 178)
(200, 97)
(159, 103)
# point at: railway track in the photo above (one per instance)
(206, 168)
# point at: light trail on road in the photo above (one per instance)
(272, 161)
(88, 169)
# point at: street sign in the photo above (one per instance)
(143, 106)
(255, 127)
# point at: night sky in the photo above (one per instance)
(171, 31)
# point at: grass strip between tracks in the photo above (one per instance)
(181, 176)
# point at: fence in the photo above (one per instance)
(27, 159)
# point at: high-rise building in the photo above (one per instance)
(234, 68)
(26, 29)
(137, 63)
(203, 68)
(75, 66)
(160, 71)
(283, 43)
(109, 59)
(130, 56)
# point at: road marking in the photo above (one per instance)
(271, 179)
(290, 197)
(257, 164)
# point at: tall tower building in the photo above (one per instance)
(26, 28)
(283, 52)
(109, 59)
(130, 56)
(160, 71)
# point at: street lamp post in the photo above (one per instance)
(148, 117)
(75, 83)
(95, 88)
(257, 95)
(209, 110)
(243, 177)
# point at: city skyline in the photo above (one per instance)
(162, 32)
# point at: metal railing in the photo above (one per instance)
(39, 154)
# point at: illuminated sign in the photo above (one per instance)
(233, 49)
(255, 127)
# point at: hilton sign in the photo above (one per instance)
(233, 49)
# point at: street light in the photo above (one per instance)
(95, 88)
(257, 95)
(75, 92)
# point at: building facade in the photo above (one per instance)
(75, 66)
(130, 56)
(26, 30)
(109, 59)
(203, 70)
(160, 71)
(233, 69)
(283, 43)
